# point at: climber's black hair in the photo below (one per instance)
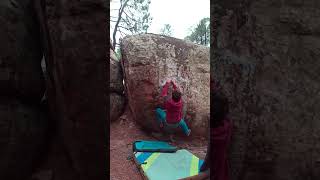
(176, 96)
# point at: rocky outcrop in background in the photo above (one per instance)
(23, 122)
(149, 60)
(117, 99)
(266, 57)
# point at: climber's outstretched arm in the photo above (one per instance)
(164, 92)
(174, 85)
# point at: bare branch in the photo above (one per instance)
(127, 28)
(121, 21)
(132, 14)
(122, 32)
(114, 17)
(130, 5)
(128, 23)
(121, 35)
(129, 16)
(120, 4)
(125, 21)
(123, 5)
(119, 18)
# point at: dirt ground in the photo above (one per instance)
(123, 132)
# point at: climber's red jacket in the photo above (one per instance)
(221, 139)
(174, 109)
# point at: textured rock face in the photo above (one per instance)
(117, 99)
(116, 78)
(149, 60)
(267, 60)
(22, 135)
(78, 93)
(116, 106)
(22, 122)
(21, 52)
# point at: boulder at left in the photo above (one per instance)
(22, 120)
(77, 88)
(21, 53)
(117, 99)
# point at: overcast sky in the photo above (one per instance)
(180, 14)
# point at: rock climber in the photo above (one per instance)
(172, 114)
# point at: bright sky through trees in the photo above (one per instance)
(180, 14)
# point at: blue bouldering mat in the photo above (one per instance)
(168, 166)
(153, 146)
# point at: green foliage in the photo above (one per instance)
(166, 30)
(137, 18)
(118, 53)
(133, 18)
(201, 33)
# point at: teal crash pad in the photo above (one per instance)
(168, 166)
(153, 146)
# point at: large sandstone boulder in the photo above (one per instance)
(116, 89)
(149, 60)
(23, 123)
(266, 58)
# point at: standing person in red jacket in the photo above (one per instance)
(220, 135)
(172, 114)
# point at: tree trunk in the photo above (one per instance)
(118, 21)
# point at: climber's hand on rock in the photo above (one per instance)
(165, 82)
(174, 85)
